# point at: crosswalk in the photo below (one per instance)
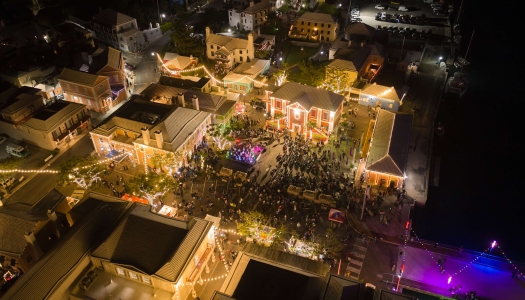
(357, 255)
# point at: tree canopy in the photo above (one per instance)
(186, 42)
(9, 163)
(314, 71)
(337, 80)
(220, 134)
(151, 186)
(82, 170)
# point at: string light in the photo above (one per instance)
(509, 261)
(207, 72)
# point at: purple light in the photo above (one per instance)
(493, 244)
(449, 280)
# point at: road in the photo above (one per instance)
(43, 183)
(146, 62)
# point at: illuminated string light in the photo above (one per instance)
(207, 72)
(510, 261)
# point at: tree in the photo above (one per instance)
(280, 77)
(9, 163)
(253, 223)
(262, 54)
(314, 71)
(220, 134)
(170, 160)
(185, 42)
(82, 170)
(311, 125)
(337, 80)
(278, 115)
(151, 186)
(328, 245)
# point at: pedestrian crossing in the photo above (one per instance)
(357, 255)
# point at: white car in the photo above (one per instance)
(403, 8)
(380, 6)
(2, 139)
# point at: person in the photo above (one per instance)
(298, 224)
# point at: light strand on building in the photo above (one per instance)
(207, 72)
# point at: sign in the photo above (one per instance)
(336, 215)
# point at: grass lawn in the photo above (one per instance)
(326, 8)
(294, 54)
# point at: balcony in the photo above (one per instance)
(224, 59)
(72, 128)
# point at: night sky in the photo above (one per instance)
(481, 194)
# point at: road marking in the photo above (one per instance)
(360, 248)
(348, 268)
(358, 255)
(356, 262)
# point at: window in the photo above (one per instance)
(326, 116)
(329, 25)
(213, 53)
(315, 24)
(146, 280)
(302, 23)
(278, 104)
(240, 58)
(390, 106)
(328, 32)
(296, 114)
(322, 31)
(313, 113)
(322, 38)
(101, 140)
(230, 14)
(120, 271)
(131, 38)
(308, 23)
(327, 39)
(211, 46)
(240, 51)
(322, 25)
(133, 275)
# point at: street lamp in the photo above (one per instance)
(229, 30)
(152, 53)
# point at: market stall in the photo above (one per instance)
(239, 178)
(133, 198)
(310, 195)
(168, 211)
(294, 190)
(225, 173)
(326, 199)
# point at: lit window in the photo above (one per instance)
(296, 114)
(120, 271)
(146, 280)
(133, 275)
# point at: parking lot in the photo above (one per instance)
(438, 25)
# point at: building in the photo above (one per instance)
(92, 90)
(26, 233)
(199, 84)
(369, 60)
(359, 32)
(26, 117)
(315, 26)
(252, 17)
(118, 30)
(71, 36)
(338, 68)
(26, 75)
(228, 51)
(216, 104)
(176, 62)
(301, 104)
(145, 129)
(246, 76)
(380, 96)
(387, 149)
(165, 253)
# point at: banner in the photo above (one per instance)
(336, 215)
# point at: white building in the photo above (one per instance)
(252, 17)
(228, 51)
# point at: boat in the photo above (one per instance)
(457, 84)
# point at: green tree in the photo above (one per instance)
(184, 41)
(328, 245)
(282, 74)
(314, 71)
(151, 186)
(337, 80)
(253, 222)
(262, 54)
(220, 134)
(82, 170)
(170, 160)
(8, 163)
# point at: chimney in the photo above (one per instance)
(31, 239)
(195, 102)
(258, 30)
(250, 48)
(180, 96)
(251, 3)
(52, 216)
(145, 135)
(159, 139)
(207, 32)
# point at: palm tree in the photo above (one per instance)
(311, 125)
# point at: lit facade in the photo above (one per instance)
(227, 51)
(315, 26)
(252, 17)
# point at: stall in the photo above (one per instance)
(300, 248)
(133, 198)
(326, 200)
(294, 190)
(310, 195)
(168, 211)
(225, 173)
(239, 178)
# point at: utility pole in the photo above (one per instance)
(158, 12)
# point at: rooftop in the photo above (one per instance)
(257, 7)
(112, 17)
(253, 67)
(81, 78)
(227, 42)
(316, 17)
(381, 91)
(186, 82)
(308, 96)
(342, 64)
(390, 142)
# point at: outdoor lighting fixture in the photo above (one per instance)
(441, 57)
(449, 280)
(493, 244)
(339, 4)
(152, 53)
(229, 30)
(163, 15)
(322, 52)
(280, 58)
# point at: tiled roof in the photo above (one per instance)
(225, 107)
(360, 29)
(308, 96)
(205, 99)
(181, 124)
(80, 77)
(381, 91)
(177, 61)
(161, 245)
(114, 58)
(342, 64)
(130, 32)
(390, 142)
(60, 110)
(112, 17)
(227, 42)
(39, 282)
(339, 288)
(265, 4)
(236, 77)
(253, 67)
(22, 101)
(12, 230)
(316, 17)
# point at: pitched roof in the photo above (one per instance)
(390, 142)
(317, 17)
(161, 245)
(265, 4)
(177, 61)
(381, 91)
(82, 78)
(227, 42)
(308, 96)
(364, 52)
(53, 115)
(342, 64)
(12, 230)
(114, 58)
(41, 279)
(112, 17)
(253, 67)
(130, 32)
(339, 288)
(360, 29)
(182, 123)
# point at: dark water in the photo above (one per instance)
(480, 197)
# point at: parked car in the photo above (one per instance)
(381, 6)
(436, 5)
(356, 20)
(403, 8)
(392, 8)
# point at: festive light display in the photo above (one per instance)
(509, 261)
(207, 72)
(247, 152)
